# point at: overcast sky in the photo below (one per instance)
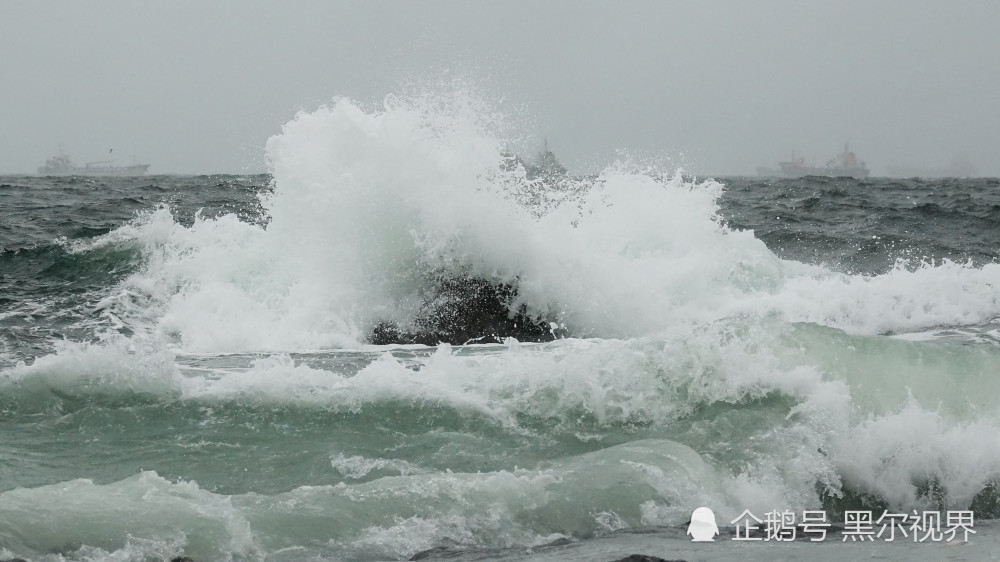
(722, 86)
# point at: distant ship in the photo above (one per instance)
(846, 164)
(542, 165)
(61, 165)
(545, 164)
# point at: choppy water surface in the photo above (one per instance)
(185, 366)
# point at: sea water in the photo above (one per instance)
(185, 366)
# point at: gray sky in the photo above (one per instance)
(197, 87)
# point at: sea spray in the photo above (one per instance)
(375, 214)
(220, 396)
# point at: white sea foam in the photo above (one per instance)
(683, 325)
(391, 517)
(837, 427)
(113, 368)
(852, 399)
(357, 467)
(103, 517)
(368, 206)
(897, 454)
(395, 517)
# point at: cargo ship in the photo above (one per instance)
(61, 165)
(846, 164)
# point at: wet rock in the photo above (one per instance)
(436, 552)
(466, 310)
(644, 558)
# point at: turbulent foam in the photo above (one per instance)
(115, 369)
(103, 517)
(896, 455)
(391, 517)
(756, 416)
(704, 369)
(817, 398)
(371, 209)
(638, 484)
(902, 300)
(358, 467)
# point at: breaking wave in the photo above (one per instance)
(673, 362)
(387, 217)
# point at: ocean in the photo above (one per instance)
(402, 344)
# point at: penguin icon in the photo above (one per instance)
(703, 527)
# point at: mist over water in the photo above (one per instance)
(187, 366)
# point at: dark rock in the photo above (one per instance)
(436, 552)
(645, 558)
(986, 504)
(385, 333)
(466, 310)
